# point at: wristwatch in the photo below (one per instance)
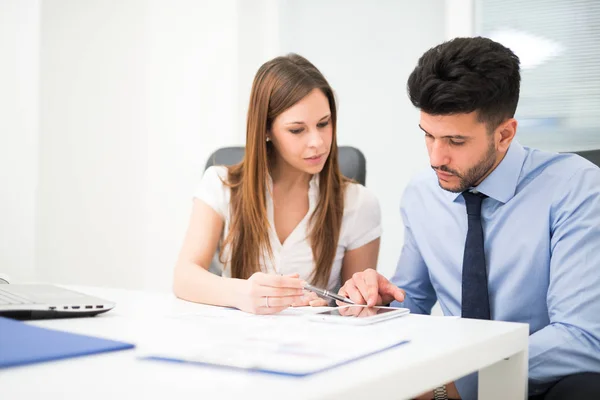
(439, 393)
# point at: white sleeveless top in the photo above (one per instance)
(361, 224)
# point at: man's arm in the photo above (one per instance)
(412, 275)
(571, 342)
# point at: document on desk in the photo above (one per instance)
(286, 344)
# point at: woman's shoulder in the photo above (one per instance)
(217, 172)
(357, 196)
(362, 217)
(213, 191)
(216, 178)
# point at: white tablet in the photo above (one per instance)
(359, 314)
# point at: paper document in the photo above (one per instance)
(286, 344)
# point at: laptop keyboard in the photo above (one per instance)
(7, 298)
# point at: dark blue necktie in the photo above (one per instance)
(475, 300)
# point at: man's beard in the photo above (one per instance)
(474, 174)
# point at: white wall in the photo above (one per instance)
(367, 49)
(459, 18)
(19, 70)
(192, 99)
(93, 142)
(258, 41)
(134, 96)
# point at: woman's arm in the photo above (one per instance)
(364, 233)
(359, 259)
(193, 281)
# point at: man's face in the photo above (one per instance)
(461, 151)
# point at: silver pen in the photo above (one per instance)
(328, 294)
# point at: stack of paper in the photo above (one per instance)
(282, 344)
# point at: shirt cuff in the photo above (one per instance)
(467, 386)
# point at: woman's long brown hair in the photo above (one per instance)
(278, 85)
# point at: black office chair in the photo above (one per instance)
(352, 161)
(592, 156)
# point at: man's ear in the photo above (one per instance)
(505, 134)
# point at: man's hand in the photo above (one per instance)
(370, 288)
(358, 312)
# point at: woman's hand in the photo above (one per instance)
(311, 299)
(268, 294)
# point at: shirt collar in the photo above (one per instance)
(501, 184)
(313, 186)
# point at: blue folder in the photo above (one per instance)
(22, 344)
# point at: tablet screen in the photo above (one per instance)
(359, 311)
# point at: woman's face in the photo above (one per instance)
(302, 134)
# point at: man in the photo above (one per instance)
(497, 230)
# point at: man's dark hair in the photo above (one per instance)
(465, 75)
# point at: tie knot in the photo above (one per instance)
(473, 202)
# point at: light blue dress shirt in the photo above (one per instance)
(541, 225)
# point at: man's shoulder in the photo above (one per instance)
(422, 186)
(424, 180)
(557, 167)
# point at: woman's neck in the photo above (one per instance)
(288, 178)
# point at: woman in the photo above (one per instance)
(285, 215)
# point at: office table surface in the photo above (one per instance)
(441, 349)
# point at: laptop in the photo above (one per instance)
(33, 301)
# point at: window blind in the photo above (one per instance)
(558, 42)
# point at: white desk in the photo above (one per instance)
(441, 350)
